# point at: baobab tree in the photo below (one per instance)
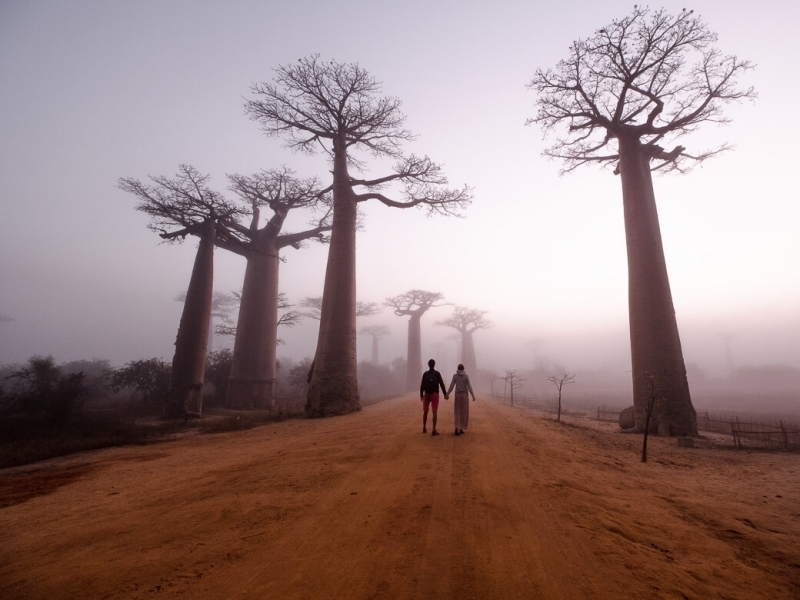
(414, 304)
(467, 321)
(313, 306)
(253, 372)
(290, 318)
(187, 202)
(560, 381)
(620, 98)
(376, 332)
(337, 108)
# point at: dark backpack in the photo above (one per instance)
(430, 382)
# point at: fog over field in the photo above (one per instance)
(93, 91)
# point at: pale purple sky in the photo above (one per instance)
(92, 91)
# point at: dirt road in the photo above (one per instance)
(366, 506)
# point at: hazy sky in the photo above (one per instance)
(91, 91)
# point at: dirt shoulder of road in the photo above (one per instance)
(366, 506)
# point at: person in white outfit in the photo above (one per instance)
(463, 387)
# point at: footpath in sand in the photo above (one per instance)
(366, 506)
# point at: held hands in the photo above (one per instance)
(446, 397)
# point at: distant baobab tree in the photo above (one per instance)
(414, 304)
(253, 371)
(376, 332)
(560, 381)
(187, 202)
(456, 339)
(290, 318)
(620, 96)
(313, 306)
(467, 321)
(337, 108)
(513, 380)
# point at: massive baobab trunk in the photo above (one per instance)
(656, 355)
(334, 386)
(191, 344)
(414, 362)
(252, 379)
(414, 304)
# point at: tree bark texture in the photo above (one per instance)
(414, 362)
(334, 383)
(655, 342)
(191, 343)
(253, 373)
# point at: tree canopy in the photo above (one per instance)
(413, 302)
(651, 75)
(467, 320)
(312, 103)
(185, 201)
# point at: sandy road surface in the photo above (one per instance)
(366, 506)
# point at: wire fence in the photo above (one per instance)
(607, 414)
(750, 433)
(287, 408)
(779, 434)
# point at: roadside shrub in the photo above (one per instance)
(218, 370)
(41, 389)
(148, 378)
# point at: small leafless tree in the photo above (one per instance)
(376, 332)
(560, 381)
(622, 97)
(496, 377)
(338, 109)
(513, 380)
(651, 402)
(467, 321)
(414, 304)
